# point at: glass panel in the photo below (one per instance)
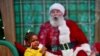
(28, 19)
(38, 20)
(83, 17)
(92, 6)
(92, 30)
(18, 33)
(16, 0)
(36, 28)
(84, 29)
(72, 6)
(83, 6)
(37, 7)
(17, 16)
(92, 17)
(73, 15)
(16, 6)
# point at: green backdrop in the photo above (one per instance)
(30, 14)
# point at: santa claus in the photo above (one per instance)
(62, 37)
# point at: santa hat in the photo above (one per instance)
(57, 6)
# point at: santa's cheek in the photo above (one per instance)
(60, 14)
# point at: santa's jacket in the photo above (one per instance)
(51, 36)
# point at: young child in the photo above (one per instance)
(33, 43)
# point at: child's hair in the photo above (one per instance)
(28, 36)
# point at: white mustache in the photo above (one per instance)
(56, 21)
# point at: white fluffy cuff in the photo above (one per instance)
(85, 47)
(68, 52)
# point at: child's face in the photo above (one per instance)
(34, 42)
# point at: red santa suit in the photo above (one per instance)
(66, 39)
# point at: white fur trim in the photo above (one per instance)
(68, 52)
(58, 22)
(64, 36)
(50, 54)
(57, 6)
(85, 47)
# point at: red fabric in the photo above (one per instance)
(81, 53)
(76, 34)
(48, 34)
(21, 49)
(97, 46)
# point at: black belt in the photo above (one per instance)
(62, 46)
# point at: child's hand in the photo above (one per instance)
(43, 50)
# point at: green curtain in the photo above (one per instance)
(30, 14)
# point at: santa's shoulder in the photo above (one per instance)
(71, 22)
(46, 24)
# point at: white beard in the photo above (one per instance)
(56, 23)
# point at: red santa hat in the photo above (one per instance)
(57, 6)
